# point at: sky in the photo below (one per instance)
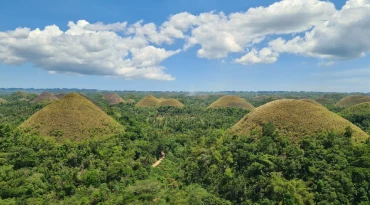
(186, 45)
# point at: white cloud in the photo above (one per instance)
(265, 55)
(89, 49)
(343, 36)
(137, 50)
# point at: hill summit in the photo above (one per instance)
(45, 97)
(352, 100)
(296, 119)
(113, 99)
(2, 101)
(73, 117)
(231, 101)
(151, 101)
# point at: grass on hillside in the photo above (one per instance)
(73, 117)
(113, 99)
(296, 119)
(324, 101)
(231, 101)
(45, 97)
(352, 100)
(2, 101)
(151, 101)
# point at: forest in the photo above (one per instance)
(203, 161)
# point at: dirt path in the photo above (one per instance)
(160, 160)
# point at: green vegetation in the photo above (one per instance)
(73, 117)
(231, 101)
(352, 101)
(296, 119)
(324, 101)
(204, 162)
(358, 115)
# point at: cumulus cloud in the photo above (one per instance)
(343, 36)
(317, 29)
(265, 55)
(89, 49)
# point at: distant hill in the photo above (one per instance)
(352, 100)
(60, 95)
(45, 97)
(231, 101)
(73, 117)
(324, 101)
(151, 101)
(296, 119)
(113, 99)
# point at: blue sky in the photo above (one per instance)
(308, 65)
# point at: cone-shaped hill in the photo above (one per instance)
(324, 101)
(23, 100)
(296, 119)
(310, 101)
(60, 95)
(151, 101)
(113, 99)
(148, 101)
(231, 101)
(45, 97)
(170, 102)
(73, 117)
(2, 101)
(352, 100)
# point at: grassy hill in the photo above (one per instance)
(324, 101)
(352, 100)
(45, 97)
(113, 99)
(73, 117)
(296, 119)
(151, 101)
(2, 101)
(231, 101)
(170, 102)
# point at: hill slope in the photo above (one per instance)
(113, 99)
(60, 95)
(311, 101)
(73, 117)
(296, 119)
(2, 101)
(324, 101)
(170, 102)
(352, 100)
(45, 97)
(148, 101)
(231, 101)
